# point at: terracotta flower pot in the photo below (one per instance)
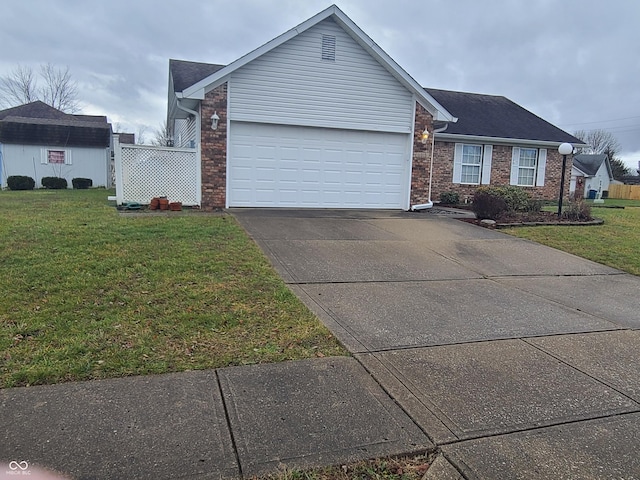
(175, 206)
(154, 204)
(163, 203)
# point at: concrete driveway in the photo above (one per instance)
(518, 360)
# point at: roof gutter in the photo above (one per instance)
(429, 203)
(502, 140)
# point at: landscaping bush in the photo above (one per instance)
(450, 198)
(20, 182)
(535, 206)
(577, 211)
(54, 183)
(516, 198)
(488, 204)
(82, 183)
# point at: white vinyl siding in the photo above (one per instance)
(292, 166)
(472, 164)
(528, 166)
(185, 133)
(31, 160)
(293, 85)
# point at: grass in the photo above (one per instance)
(90, 293)
(401, 468)
(615, 202)
(615, 243)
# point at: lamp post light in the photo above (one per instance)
(564, 150)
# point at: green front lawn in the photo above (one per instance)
(91, 293)
(616, 243)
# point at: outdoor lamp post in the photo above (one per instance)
(564, 150)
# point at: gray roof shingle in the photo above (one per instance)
(496, 116)
(589, 163)
(186, 73)
(37, 123)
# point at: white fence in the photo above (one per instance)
(144, 172)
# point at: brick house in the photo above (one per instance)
(322, 117)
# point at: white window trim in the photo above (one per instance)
(484, 175)
(44, 155)
(539, 170)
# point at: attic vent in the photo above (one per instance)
(329, 47)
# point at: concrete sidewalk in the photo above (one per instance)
(511, 359)
(229, 423)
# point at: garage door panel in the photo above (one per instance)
(287, 166)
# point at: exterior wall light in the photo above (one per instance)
(564, 149)
(214, 121)
(424, 136)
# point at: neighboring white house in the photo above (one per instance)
(590, 173)
(39, 141)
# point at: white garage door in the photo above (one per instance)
(288, 166)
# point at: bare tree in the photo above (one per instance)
(59, 89)
(141, 135)
(603, 142)
(162, 136)
(54, 86)
(18, 87)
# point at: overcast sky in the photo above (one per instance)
(575, 63)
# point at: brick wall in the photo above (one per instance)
(421, 157)
(214, 149)
(500, 173)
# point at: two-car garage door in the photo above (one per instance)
(291, 166)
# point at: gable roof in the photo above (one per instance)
(35, 109)
(496, 117)
(186, 73)
(37, 123)
(197, 89)
(589, 164)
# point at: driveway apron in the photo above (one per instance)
(504, 352)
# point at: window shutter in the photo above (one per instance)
(515, 164)
(542, 166)
(486, 164)
(457, 163)
(44, 156)
(67, 157)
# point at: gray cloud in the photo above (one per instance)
(574, 63)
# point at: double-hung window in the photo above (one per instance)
(472, 164)
(528, 166)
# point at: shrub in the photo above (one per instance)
(450, 198)
(20, 182)
(54, 183)
(535, 206)
(576, 211)
(516, 198)
(82, 183)
(487, 204)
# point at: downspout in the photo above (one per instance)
(429, 203)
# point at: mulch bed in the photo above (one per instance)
(532, 219)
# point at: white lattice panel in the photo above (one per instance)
(149, 172)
